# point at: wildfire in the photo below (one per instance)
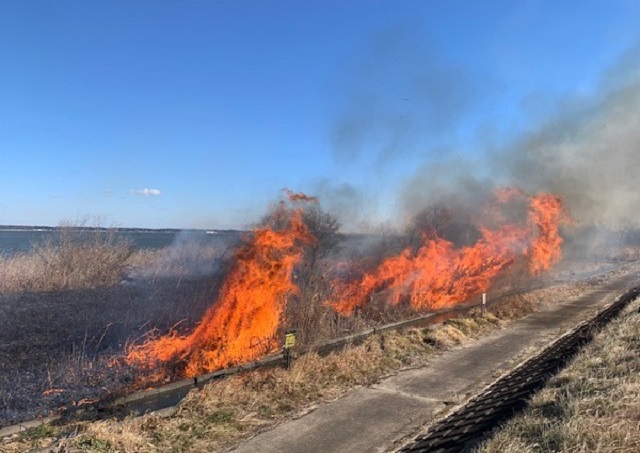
(437, 275)
(242, 324)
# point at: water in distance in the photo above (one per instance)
(22, 239)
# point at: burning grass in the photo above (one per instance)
(242, 324)
(245, 320)
(225, 412)
(282, 275)
(438, 275)
(591, 406)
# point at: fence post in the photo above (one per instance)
(483, 309)
(289, 342)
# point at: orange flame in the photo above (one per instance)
(293, 197)
(546, 212)
(242, 324)
(437, 275)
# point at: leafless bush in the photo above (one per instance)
(83, 257)
(77, 256)
(307, 311)
(428, 224)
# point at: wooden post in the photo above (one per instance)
(483, 310)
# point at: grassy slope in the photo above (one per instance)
(591, 406)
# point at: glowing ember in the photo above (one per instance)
(242, 324)
(437, 275)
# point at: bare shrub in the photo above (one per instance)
(307, 311)
(78, 256)
(428, 224)
(83, 256)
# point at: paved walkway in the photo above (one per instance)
(383, 417)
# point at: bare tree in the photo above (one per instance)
(322, 225)
(325, 228)
(428, 224)
(306, 311)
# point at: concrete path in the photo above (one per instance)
(383, 417)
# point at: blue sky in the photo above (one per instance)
(195, 114)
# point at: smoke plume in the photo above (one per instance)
(587, 151)
(588, 154)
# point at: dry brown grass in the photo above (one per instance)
(84, 258)
(76, 258)
(20, 272)
(591, 406)
(224, 412)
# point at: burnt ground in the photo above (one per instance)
(55, 347)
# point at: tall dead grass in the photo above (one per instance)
(591, 406)
(77, 257)
(81, 257)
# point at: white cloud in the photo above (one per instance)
(145, 192)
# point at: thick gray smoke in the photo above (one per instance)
(403, 98)
(588, 152)
(590, 155)
(344, 201)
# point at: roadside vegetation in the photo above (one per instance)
(593, 405)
